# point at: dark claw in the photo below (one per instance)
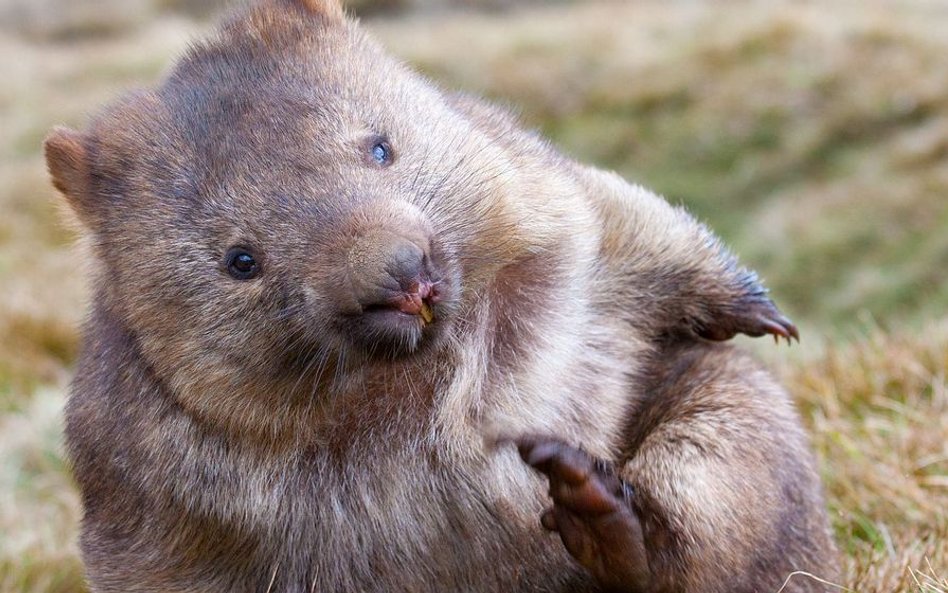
(755, 318)
(780, 327)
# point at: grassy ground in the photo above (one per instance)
(813, 136)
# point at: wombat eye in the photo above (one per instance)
(382, 153)
(241, 264)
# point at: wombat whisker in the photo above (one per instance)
(452, 146)
(290, 311)
(422, 166)
(325, 358)
(311, 400)
(464, 182)
(436, 190)
(306, 368)
(340, 370)
(273, 578)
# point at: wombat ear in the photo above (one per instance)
(68, 162)
(328, 8)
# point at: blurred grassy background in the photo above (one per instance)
(812, 135)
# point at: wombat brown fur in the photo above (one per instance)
(326, 296)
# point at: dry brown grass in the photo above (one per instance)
(878, 412)
(840, 198)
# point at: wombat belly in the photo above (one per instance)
(447, 535)
(446, 531)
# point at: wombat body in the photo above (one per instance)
(327, 293)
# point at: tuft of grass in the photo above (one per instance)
(39, 506)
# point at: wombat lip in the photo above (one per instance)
(419, 299)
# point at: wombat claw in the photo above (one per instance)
(755, 319)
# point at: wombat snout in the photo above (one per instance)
(399, 286)
(394, 273)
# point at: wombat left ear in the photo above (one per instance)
(329, 8)
(67, 159)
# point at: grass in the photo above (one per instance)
(813, 136)
(877, 408)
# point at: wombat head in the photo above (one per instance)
(290, 193)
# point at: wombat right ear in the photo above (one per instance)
(68, 162)
(329, 8)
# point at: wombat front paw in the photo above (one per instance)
(592, 512)
(754, 318)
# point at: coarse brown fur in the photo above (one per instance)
(236, 435)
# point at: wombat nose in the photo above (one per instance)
(390, 272)
(406, 263)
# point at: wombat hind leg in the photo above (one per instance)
(592, 513)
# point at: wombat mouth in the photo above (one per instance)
(418, 299)
(402, 322)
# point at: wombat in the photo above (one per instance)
(329, 300)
